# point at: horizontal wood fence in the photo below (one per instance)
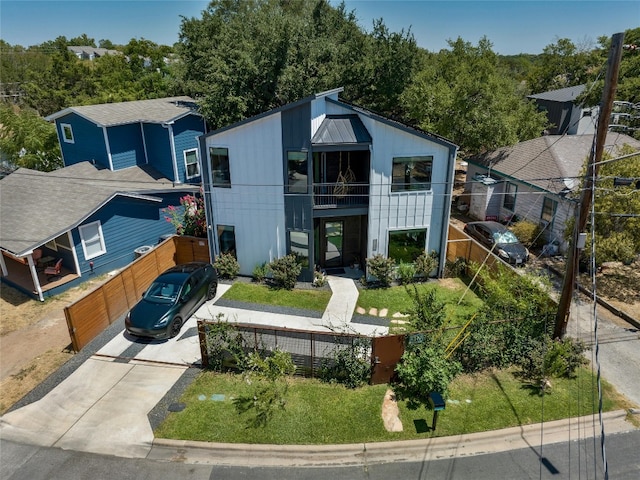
(460, 245)
(92, 314)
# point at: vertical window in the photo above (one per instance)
(411, 173)
(510, 191)
(407, 245)
(227, 239)
(548, 209)
(299, 242)
(220, 174)
(297, 172)
(92, 240)
(67, 133)
(191, 163)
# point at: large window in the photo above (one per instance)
(510, 191)
(220, 174)
(299, 242)
(411, 173)
(227, 239)
(67, 133)
(92, 240)
(297, 172)
(548, 210)
(407, 245)
(191, 163)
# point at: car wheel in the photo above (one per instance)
(174, 328)
(211, 293)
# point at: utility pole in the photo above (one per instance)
(606, 105)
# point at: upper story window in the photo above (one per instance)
(92, 240)
(220, 174)
(191, 163)
(510, 190)
(67, 133)
(297, 172)
(411, 173)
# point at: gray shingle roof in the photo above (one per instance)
(159, 110)
(568, 94)
(552, 162)
(36, 207)
(341, 129)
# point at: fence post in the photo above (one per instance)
(202, 337)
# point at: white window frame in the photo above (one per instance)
(186, 165)
(82, 229)
(63, 129)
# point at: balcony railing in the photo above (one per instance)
(331, 195)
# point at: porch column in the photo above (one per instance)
(3, 266)
(34, 276)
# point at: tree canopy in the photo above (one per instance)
(463, 94)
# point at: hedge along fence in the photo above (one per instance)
(92, 314)
(308, 349)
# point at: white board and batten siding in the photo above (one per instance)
(392, 211)
(254, 204)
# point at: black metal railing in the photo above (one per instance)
(338, 194)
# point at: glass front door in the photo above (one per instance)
(334, 236)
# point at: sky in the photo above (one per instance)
(512, 26)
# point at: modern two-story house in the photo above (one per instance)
(327, 180)
(125, 165)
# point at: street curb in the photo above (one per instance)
(528, 436)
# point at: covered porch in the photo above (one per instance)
(19, 276)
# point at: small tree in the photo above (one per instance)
(270, 386)
(381, 268)
(285, 271)
(189, 219)
(227, 266)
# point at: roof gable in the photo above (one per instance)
(36, 207)
(553, 163)
(341, 129)
(568, 94)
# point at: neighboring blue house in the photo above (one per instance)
(329, 181)
(125, 163)
(161, 133)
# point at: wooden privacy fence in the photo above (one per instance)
(460, 245)
(92, 314)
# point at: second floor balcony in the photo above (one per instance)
(339, 194)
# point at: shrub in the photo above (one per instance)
(618, 247)
(546, 358)
(319, 279)
(405, 273)
(349, 365)
(285, 271)
(227, 266)
(260, 273)
(381, 268)
(455, 268)
(425, 264)
(528, 233)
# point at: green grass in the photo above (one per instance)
(320, 413)
(396, 299)
(309, 299)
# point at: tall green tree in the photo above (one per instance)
(563, 64)
(27, 140)
(464, 94)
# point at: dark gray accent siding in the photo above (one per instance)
(296, 136)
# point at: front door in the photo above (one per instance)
(333, 243)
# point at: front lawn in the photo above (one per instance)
(397, 300)
(248, 292)
(320, 413)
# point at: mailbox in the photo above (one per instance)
(436, 403)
